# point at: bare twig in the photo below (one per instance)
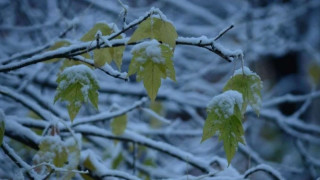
(223, 32)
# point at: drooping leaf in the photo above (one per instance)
(249, 85)
(152, 61)
(77, 85)
(152, 79)
(57, 45)
(155, 28)
(224, 118)
(103, 55)
(314, 72)
(119, 125)
(2, 126)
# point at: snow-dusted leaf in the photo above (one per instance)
(224, 118)
(152, 61)
(77, 85)
(119, 125)
(249, 85)
(2, 126)
(101, 56)
(64, 154)
(155, 28)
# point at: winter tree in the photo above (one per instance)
(185, 89)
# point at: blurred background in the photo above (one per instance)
(281, 43)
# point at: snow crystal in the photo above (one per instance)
(245, 71)
(225, 103)
(152, 51)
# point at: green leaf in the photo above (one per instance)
(152, 79)
(224, 118)
(103, 55)
(249, 85)
(314, 72)
(152, 61)
(155, 28)
(57, 45)
(77, 85)
(119, 125)
(2, 126)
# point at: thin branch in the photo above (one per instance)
(80, 48)
(129, 136)
(36, 50)
(265, 168)
(223, 32)
(44, 114)
(17, 160)
(108, 115)
(106, 68)
(57, 169)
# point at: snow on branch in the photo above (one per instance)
(44, 114)
(22, 134)
(106, 68)
(265, 168)
(130, 136)
(18, 161)
(36, 50)
(108, 115)
(100, 170)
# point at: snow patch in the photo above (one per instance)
(245, 70)
(151, 49)
(223, 104)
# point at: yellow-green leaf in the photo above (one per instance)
(103, 55)
(249, 85)
(152, 61)
(152, 79)
(155, 28)
(119, 125)
(314, 72)
(77, 85)
(224, 118)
